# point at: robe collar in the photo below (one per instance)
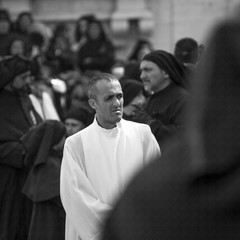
(111, 132)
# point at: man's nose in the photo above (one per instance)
(142, 75)
(28, 79)
(117, 102)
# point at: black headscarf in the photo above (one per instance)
(167, 62)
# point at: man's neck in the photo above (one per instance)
(164, 85)
(106, 126)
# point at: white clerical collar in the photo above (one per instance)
(111, 131)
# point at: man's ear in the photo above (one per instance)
(92, 103)
(165, 74)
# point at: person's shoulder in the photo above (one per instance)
(75, 137)
(135, 125)
(178, 93)
(174, 166)
(178, 89)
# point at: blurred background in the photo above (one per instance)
(163, 22)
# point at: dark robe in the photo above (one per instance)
(101, 54)
(193, 191)
(42, 185)
(15, 208)
(5, 40)
(167, 108)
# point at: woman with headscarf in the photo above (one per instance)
(194, 193)
(97, 53)
(6, 32)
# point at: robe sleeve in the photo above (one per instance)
(12, 154)
(151, 148)
(176, 123)
(84, 210)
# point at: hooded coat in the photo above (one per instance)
(17, 115)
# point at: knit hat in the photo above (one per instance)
(167, 62)
(131, 88)
(186, 50)
(79, 114)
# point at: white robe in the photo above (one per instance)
(97, 165)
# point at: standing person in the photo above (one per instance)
(17, 46)
(163, 78)
(41, 94)
(22, 27)
(186, 51)
(76, 119)
(6, 32)
(133, 92)
(80, 31)
(17, 117)
(58, 54)
(141, 48)
(97, 53)
(194, 193)
(100, 160)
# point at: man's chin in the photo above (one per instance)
(147, 88)
(118, 117)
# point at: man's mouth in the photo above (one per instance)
(119, 110)
(145, 81)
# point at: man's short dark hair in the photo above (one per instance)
(92, 91)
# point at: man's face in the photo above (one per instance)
(152, 76)
(17, 47)
(4, 26)
(21, 81)
(108, 103)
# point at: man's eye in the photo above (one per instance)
(119, 96)
(108, 98)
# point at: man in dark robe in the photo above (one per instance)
(164, 79)
(17, 116)
(193, 192)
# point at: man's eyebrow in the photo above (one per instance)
(109, 96)
(113, 95)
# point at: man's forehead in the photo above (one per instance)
(109, 85)
(148, 64)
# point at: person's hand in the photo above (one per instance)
(140, 115)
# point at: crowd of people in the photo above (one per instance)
(92, 147)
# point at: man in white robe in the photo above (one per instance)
(100, 160)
